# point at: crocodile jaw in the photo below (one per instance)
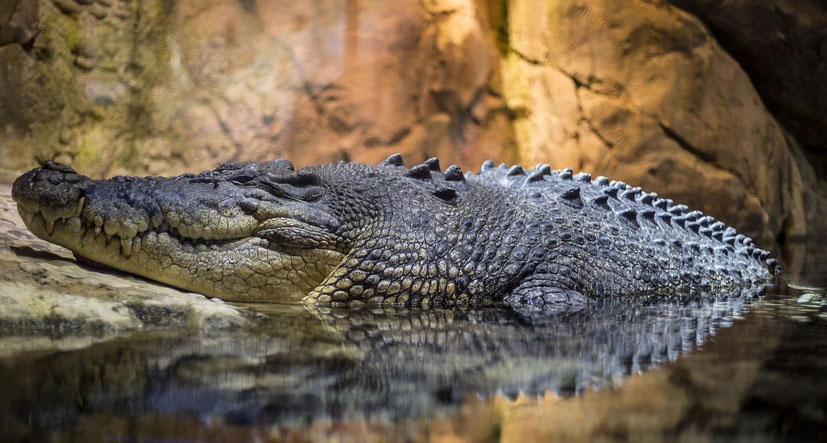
(249, 261)
(243, 269)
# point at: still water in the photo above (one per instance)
(739, 367)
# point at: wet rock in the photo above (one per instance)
(811, 298)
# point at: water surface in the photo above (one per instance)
(745, 366)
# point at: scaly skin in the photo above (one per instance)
(352, 235)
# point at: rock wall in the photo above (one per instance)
(155, 87)
(636, 90)
(782, 46)
(651, 99)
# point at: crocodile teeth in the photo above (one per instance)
(126, 246)
(97, 230)
(79, 207)
(28, 216)
(50, 225)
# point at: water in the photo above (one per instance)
(737, 367)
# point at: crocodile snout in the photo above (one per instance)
(55, 191)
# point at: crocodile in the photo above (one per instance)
(353, 235)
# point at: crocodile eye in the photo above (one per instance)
(243, 179)
(278, 179)
(295, 186)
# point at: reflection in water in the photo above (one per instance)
(294, 365)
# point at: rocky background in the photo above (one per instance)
(717, 104)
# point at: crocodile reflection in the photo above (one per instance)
(295, 364)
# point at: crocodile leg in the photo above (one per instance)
(538, 295)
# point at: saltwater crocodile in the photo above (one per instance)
(351, 234)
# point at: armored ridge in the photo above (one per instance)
(352, 235)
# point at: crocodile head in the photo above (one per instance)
(246, 232)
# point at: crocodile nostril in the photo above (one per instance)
(58, 167)
(56, 174)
